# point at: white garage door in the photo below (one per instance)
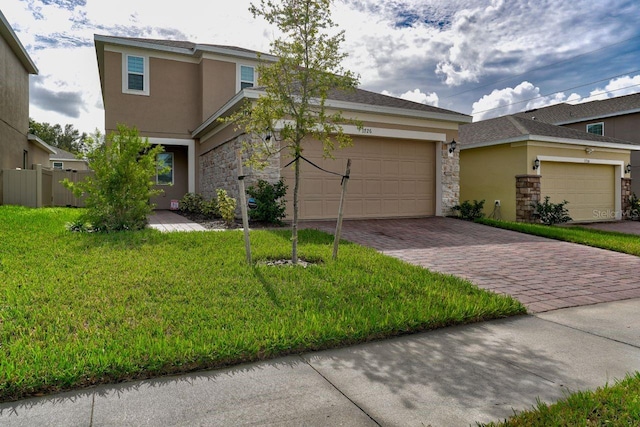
(589, 188)
(389, 178)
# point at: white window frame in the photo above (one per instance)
(595, 124)
(239, 76)
(125, 75)
(58, 168)
(173, 170)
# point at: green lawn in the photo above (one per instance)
(79, 309)
(618, 242)
(617, 405)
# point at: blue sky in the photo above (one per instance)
(479, 57)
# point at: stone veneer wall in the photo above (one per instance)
(527, 193)
(218, 168)
(626, 194)
(450, 179)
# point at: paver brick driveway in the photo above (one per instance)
(543, 274)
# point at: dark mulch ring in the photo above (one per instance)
(219, 224)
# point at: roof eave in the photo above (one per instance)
(396, 111)
(213, 120)
(542, 138)
(36, 140)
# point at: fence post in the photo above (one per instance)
(38, 186)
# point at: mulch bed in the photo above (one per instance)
(219, 224)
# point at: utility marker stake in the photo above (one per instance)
(243, 208)
(345, 180)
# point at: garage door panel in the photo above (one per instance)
(372, 167)
(390, 188)
(388, 178)
(390, 207)
(372, 207)
(588, 188)
(390, 168)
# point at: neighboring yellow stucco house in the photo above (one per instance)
(512, 162)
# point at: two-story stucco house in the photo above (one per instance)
(174, 92)
(17, 148)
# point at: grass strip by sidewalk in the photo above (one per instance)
(615, 406)
(81, 309)
(610, 240)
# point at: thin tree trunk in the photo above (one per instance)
(294, 225)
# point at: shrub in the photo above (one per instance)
(209, 209)
(470, 211)
(226, 206)
(634, 207)
(117, 195)
(270, 204)
(551, 213)
(191, 203)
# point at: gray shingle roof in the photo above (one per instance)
(362, 96)
(568, 113)
(181, 44)
(62, 155)
(506, 127)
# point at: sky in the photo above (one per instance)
(485, 58)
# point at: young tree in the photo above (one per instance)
(297, 85)
(117, 196)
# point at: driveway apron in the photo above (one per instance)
(541, 273)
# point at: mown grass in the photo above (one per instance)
(618, 242)
(80, 309)
(617, 405)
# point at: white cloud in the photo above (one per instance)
(397, 45)
(416, 95)
(525, 96)
(616, 87)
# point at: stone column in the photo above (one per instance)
(450, 183)
(626, 194)
(527, 193)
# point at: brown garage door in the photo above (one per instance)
(589, 188)
(389, 178)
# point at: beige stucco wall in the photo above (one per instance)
(489, 172)
(169, 111)
(14, 110)
(218, 85)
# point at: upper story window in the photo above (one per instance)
(247, 77)
(135, 75)
(596, 128)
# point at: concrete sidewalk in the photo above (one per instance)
(449, 377)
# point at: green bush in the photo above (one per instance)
(470, 211)
(117, 195)
(551, 213)
(634, 207)
(226, 206)
(209, 209)
(191, 203)
(270, 204)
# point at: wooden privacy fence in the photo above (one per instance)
(40, 187)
